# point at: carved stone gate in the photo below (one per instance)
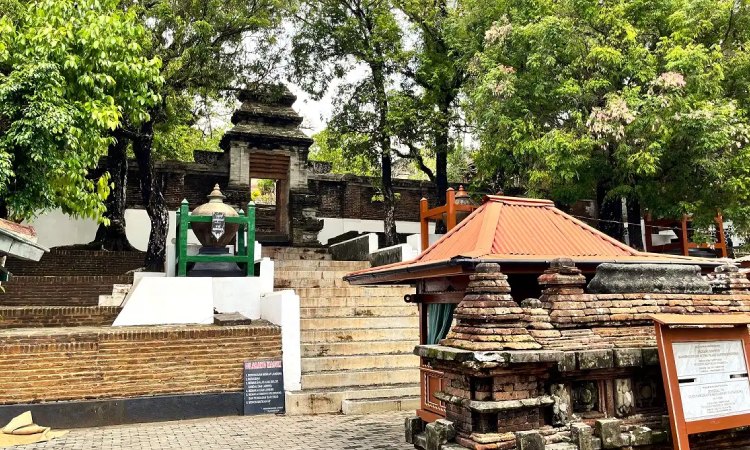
(266, 143)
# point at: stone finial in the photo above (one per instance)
(728, 279)
(562, 277)
(727, 268)
(488, 319)
(562, 264)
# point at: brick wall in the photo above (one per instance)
(61, 261)
(59, 290)
(342, 196)
(45, 365)
(352, 197)
(56, 316)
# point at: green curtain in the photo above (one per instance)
(439, 318)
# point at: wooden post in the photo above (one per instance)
(424, 224)
(450, 206)
(184, 224)
(720, 235)
(648, 232)
(684, 238)
(251, 239)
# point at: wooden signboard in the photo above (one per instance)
(704, 365)
(264, 387)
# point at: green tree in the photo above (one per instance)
(333, 37)
(616, 99)
(70, 73)
(426, 113)
(341, 151)
(208, 48)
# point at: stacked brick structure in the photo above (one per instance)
(45, 365)
(72, 262)
(587, 376)
(79, 290)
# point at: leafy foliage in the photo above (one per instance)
(343, 152)
(333, 37)
(70, 73)
(633, 98)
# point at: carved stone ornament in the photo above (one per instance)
(646, 393)
(561, 410)
(624, 402)
(585, 396)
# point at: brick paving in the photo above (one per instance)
(325, 432)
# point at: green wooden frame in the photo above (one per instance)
(245, 249)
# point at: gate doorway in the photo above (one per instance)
(269, 175)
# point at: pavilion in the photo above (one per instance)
(524, 236)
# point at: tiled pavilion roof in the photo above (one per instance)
(515, 230)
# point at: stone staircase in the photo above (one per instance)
(60, 301)
(357, 342)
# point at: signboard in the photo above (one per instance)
(704, 363)
(264, 387)
(218, 224)
(713, 379)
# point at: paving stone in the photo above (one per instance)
(323, 432)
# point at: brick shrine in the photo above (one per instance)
(572, 370)
(550, 345)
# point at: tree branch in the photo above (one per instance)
(416, 155)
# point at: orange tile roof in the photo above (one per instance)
(26, 231)
(515, 229)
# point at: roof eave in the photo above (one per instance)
(454, 266)
(464, 265)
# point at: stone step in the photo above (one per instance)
(364, 323)
(367, 377)
(121, 288)
(355, 302)
(295, 253)
(360, 311)
(307, 265)
(322, 364)
(112, 299)
(56, 316)
(304, 282)
(330, 401)
(380, 405)
(359, 348)
(355, 291)
(315, 274)
(359, 335)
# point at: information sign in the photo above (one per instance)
(713, 379)
(264, 387)
(218, 224)
(704, 363)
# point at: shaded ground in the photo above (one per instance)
(327, 432)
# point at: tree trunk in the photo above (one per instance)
(634, 223)
(113, 237)
(384, 142)
(152, 186)
(610, 212)
(442, 147)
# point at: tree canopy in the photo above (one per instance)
(637, 99)
(70, 73)
(332, 38)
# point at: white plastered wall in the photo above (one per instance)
(333, 227)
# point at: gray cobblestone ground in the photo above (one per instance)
(328, 432)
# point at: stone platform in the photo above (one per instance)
(43, 365)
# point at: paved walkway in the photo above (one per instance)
(328, 432)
